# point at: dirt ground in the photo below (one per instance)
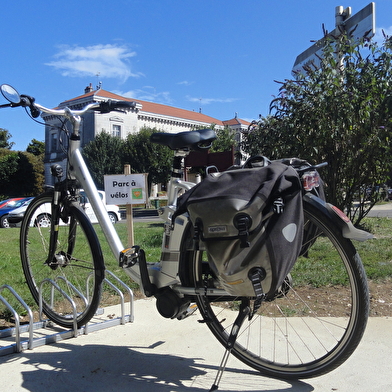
(380, 299)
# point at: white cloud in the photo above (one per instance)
(148, 93)
(185, 83)
(110, 61)
(207, 101)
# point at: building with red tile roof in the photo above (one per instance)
(146, 114)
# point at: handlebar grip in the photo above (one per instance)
(27, 101)
(109, 106)
(34, 111)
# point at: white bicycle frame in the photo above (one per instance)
(162, 274)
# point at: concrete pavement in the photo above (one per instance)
(157, 354)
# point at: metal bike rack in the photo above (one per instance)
(17, 329)
(31, 342)
(131, 317)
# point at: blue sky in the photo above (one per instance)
(219, 55)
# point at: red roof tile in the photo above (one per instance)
(154, 108)
(236, 121)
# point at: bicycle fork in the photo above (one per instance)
(54, 260)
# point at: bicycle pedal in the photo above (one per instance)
(192, 308)
(188, 311)
(129, 257)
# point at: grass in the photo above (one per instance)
(147, 234)
(376, 255)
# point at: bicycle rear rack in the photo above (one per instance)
(32, 342)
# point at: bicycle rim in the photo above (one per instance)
(314, 325)
(71, 283)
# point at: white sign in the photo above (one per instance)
(363, 21)
(125, 188)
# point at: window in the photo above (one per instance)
(116, 130)
(53, 142)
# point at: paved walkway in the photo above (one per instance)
(161, 355)
(383, 210)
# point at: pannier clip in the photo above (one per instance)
(243, 222)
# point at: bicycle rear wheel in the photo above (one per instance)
(71, 282)
(316, 321)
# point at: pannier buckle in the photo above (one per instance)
(243, 222)
(278, 205)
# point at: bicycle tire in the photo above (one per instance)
(316, 321)
(78, 270)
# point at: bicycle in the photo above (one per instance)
(313, 324)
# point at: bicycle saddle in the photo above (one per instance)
(193, 140)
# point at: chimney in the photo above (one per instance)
(88, 89)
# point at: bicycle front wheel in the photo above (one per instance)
(316, 321)
(70, 283)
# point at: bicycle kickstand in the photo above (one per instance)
(243, 313)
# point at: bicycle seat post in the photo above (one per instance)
(176, 178)
(177, 168)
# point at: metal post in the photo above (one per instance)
(341, 15)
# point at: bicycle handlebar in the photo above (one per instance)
(102, 107)
(27, 101)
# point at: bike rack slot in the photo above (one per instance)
(65, 295)
(16, 316)
(31, 342)
(73, 288)
(130, 292)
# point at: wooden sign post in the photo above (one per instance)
(129, 214)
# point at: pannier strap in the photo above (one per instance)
(256, 276)
(242, 223)
(196, 234)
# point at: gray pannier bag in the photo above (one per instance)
(251, 224)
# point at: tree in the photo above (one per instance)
(21, 173)
(225, 140)
(36, 147)
(340, 112)
(147, 157)
(4, 137)
(9, 161)
(29, 179)
(104, 155)
(108, 154)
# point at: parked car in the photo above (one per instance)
(42, 217)
(9, 202)
(113, 210)
(5, 211)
